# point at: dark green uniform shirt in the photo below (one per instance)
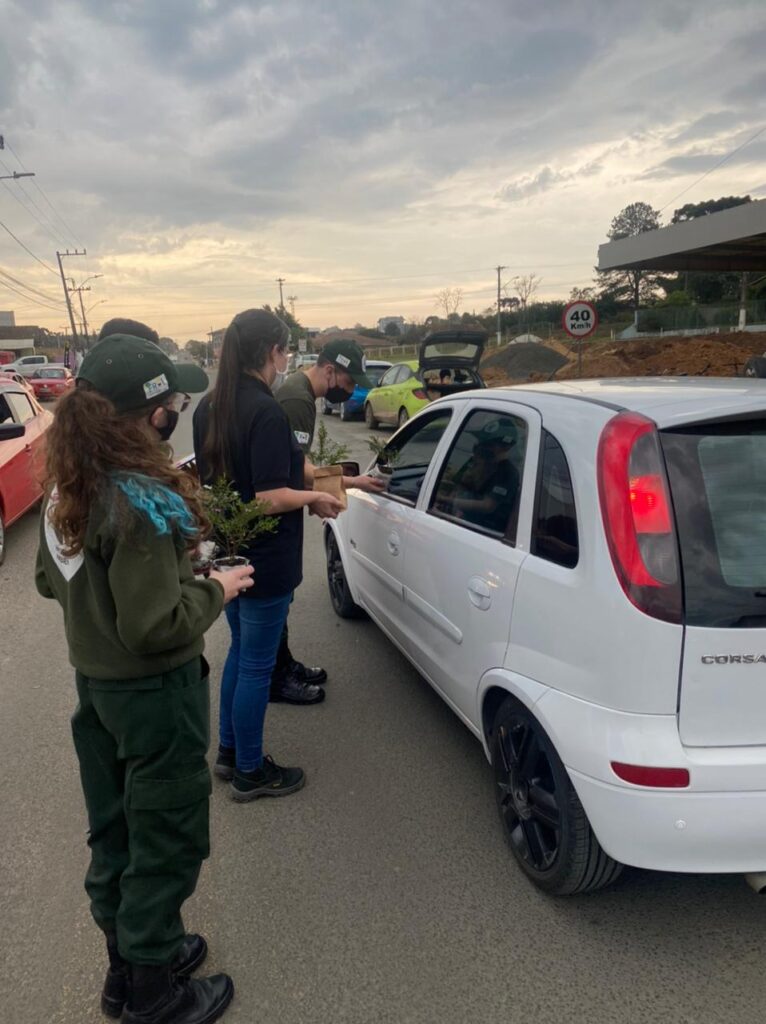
(132, 605)
(297, 398)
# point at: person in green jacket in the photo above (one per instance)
(116, 533)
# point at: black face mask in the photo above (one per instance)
(337, 395)
(170, 426)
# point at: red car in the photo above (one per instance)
(23, 424)
(51, 382)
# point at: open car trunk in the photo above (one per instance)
(717, 477)
(449, 359)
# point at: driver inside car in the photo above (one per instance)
(485, 490)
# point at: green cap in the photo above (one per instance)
(132, 372)
(349, 357)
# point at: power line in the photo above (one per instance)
(27, 287)
(29, 299)
(47, 226)
(10, 148)
(720, 163)
(27, 249)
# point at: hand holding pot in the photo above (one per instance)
(234, 581)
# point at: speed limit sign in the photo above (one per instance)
(580, 319)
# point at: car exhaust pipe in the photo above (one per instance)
(757, 881)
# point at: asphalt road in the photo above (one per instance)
(382, 892)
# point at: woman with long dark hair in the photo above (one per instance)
(119, 524)
(242, 434)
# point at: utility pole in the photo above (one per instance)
(59, 256)
(84, 322)
(499, 328)
(280, 282)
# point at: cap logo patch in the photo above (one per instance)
(343, 360)
(156, 386)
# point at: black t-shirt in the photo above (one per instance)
(266, 457)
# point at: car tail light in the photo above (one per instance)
(420, 394)
(658, 778)
(638, 516)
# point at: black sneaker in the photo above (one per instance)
(268, 780)
(291, 690)
(190, 956)
(225, 763)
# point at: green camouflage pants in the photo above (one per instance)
(142, 746)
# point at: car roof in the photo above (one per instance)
(666, 400)
(377, 363)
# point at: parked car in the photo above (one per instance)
(354, 407)
(23, 423)
(27, 365)
(448, 363)
(16, 378)
(51, 381)
(579, 570)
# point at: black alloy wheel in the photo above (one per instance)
(369, 417)
(542, 817)
(340, 596)
(403, 417)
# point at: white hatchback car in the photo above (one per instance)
(579, 570)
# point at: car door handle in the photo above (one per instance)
(479, 593)
(393, 543)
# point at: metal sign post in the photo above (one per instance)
(580, 320)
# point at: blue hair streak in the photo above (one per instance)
(166, 510)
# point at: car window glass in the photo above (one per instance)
(554, 530)
(480, 482)
(389, 377)
(6, 416)
(404, 374)
(21, 406)
(375, 373)
(405, 461)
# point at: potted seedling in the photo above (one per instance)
(328, 471)
(385, 456)
(236, 523)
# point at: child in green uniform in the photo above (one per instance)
(116, 532)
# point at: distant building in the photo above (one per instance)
(386, 320)
(7, 318)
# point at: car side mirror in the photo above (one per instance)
(351, 469)
(8, 431)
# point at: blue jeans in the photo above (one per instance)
(256, 626)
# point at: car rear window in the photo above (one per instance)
(717, 476)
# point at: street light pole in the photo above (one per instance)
(17, 174)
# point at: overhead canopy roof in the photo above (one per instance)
(733, 239)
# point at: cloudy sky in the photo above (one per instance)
(371, 154)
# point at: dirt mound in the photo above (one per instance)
(712, 356)
(517, 361)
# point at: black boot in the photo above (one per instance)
(157, 997)
(115, 992)
(290, 689)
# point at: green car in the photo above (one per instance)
(449, 362)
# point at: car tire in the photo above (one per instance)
(340, 596)
(344, 415)
(755, 367)
(369, 417)
(326, 408)
(543, 820)
(2, 537)
(403, 417)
